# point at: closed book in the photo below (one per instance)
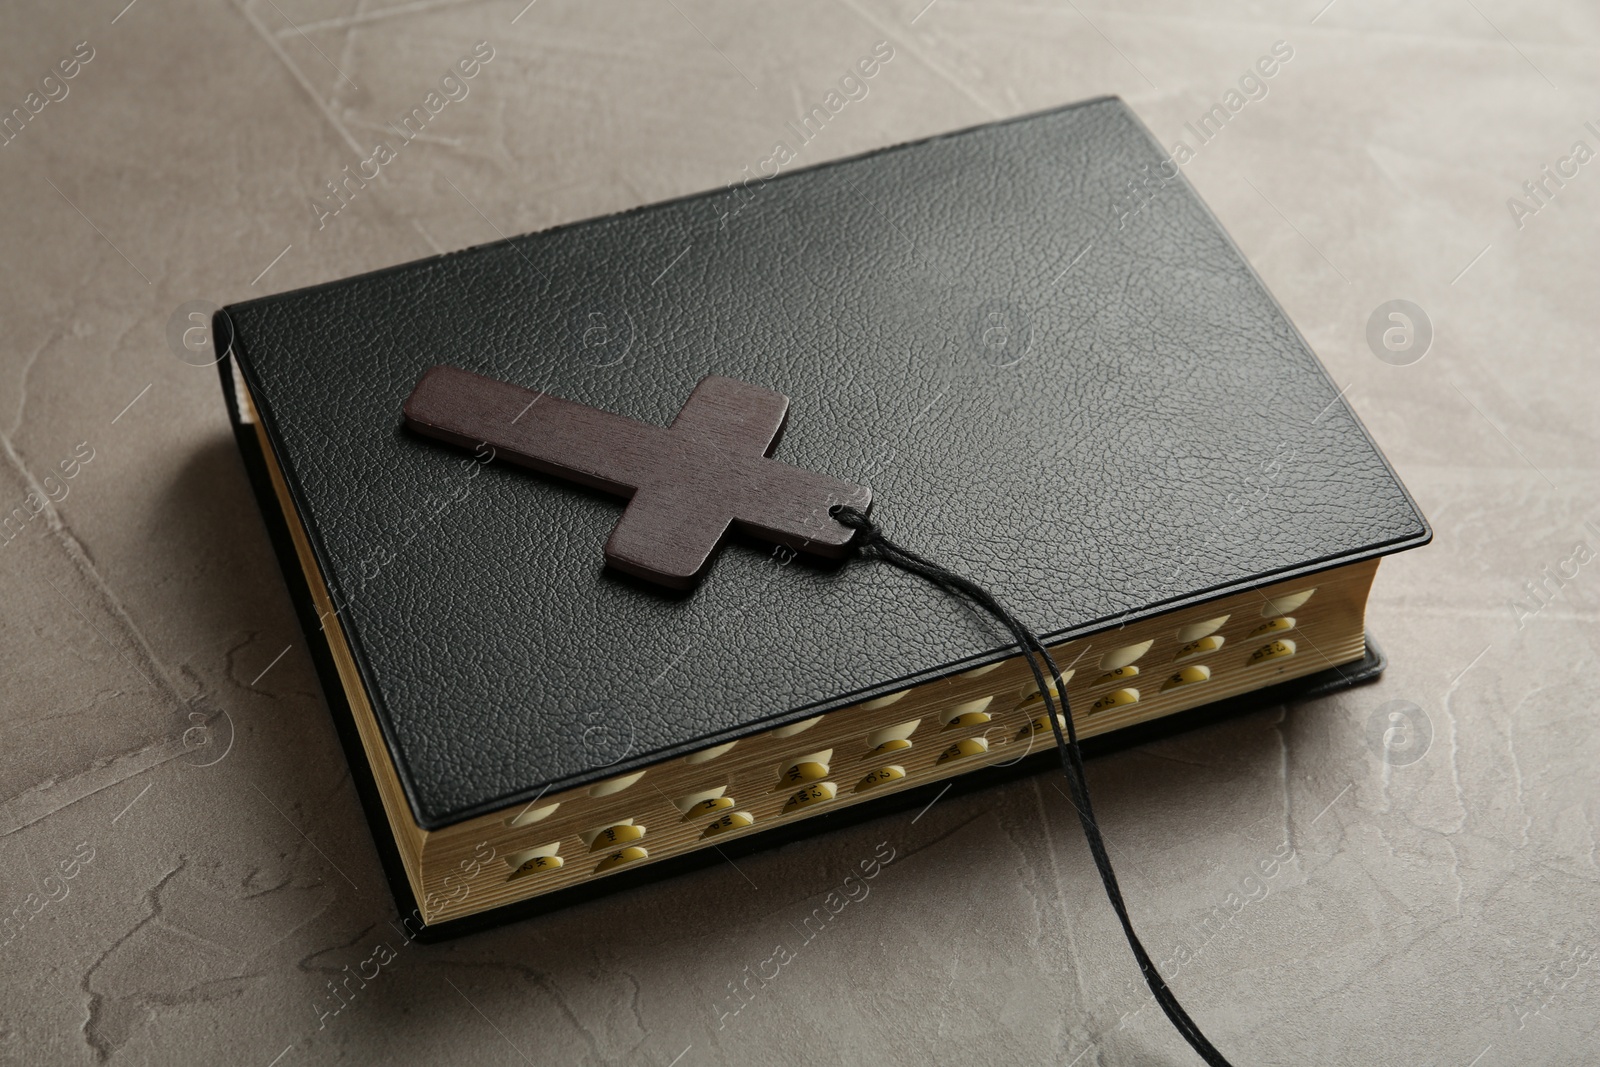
(1056, 373)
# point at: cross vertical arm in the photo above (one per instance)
(583, 444)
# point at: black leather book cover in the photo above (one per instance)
(1035, 344)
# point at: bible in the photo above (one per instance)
(1100, 415)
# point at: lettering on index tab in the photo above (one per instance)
(686, 484)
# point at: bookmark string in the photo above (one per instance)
(870, 540)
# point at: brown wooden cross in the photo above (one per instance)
(687, 484)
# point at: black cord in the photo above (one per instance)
(870, 539)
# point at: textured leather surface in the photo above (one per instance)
(1152, 430)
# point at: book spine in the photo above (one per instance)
(305, 608)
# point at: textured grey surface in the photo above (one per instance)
(1437, 910)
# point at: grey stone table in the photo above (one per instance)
(1439, 902)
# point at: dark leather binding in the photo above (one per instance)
(1152, 432)
(1299, 690)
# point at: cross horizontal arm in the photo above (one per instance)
(733, 415)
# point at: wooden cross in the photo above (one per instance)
(687, 484)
